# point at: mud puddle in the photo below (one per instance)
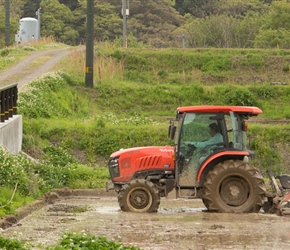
(179, 224)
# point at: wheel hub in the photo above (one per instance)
(234, 191)
(139, 199)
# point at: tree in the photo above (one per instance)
(204, 8)
(30, 7)
(275, 31)
(221, 31)
(15, 14)
(151, 22)
(154, 22)
(72, 4)
(58, 21)
(107, 22)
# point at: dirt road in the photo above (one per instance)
(179, 224)
(33, 66)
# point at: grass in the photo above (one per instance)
(74, 240)
(70, 240)
(10, 201)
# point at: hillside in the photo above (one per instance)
(136, 90)
(71, 130)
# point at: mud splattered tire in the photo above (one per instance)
(234, 186)
(139, 196)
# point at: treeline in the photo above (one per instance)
(162, 23)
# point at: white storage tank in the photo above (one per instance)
(28, 30)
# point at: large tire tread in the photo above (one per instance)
(212, 185)
(136, 184)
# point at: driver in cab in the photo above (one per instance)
(214, 140)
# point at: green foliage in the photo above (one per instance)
(266, 141)
(57, 22)
(238, 97)
(220, 24)
(8, 244)
(58, 156)
(264, 92)
(83, 176)
(89, 242)
(274, 31)
(12, 198)
(70, 241)
(36, 102)
(72, 176)
(208, 66)
(15, 170)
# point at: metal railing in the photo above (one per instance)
(8, 101)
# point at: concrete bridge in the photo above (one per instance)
(10, 122)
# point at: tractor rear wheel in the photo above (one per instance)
(139, 196)
(234, 186)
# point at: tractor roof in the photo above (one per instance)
(220, 109)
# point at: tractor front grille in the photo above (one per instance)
(149, 162)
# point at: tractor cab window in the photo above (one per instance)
(236, 131)
(200, 136)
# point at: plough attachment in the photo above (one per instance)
(279, 200)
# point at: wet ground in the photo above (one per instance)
(179, 224)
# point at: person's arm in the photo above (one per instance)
(203, 144)
(211, 141)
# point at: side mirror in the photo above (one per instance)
(171, 131)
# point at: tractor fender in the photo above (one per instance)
(213, 160)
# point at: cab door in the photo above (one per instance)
(194, 127)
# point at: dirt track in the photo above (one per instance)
(33, 66)
(179, 224)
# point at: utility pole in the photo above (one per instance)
(38, 18)
(183, 40)
(125, 13)
(90, 45)
(7, 22)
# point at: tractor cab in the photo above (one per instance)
(205, 136)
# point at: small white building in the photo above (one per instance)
(28, 30)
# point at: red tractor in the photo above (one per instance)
(209, 160)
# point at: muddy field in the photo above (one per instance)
(179, 224)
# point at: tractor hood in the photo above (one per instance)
(124, 163)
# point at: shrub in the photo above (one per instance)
(8, 244)
(238, 97)
(89, 242)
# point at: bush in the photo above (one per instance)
(16, 170)
(8, 244)
(88, 242)
(238, 97)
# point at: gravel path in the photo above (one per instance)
(33, 66)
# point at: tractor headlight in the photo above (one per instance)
(114, 167)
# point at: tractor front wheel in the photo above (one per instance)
(139, 196)
(234, 186)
